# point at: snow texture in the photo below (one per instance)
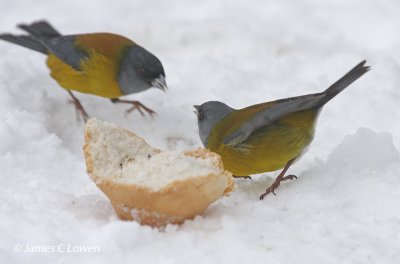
(344, 208)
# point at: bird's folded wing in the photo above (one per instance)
(63, 47)
(283, 107)
(266, 117)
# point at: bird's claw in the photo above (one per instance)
(270, 189)
(136, 105)
(289, 177)
(242, 177)
(276, 184)
(142, 109)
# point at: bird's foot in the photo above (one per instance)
(80, 111)
(242, 177)
(289, 177)
(136, 105)
(276, 184)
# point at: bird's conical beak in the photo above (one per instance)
(160, 83)
(196, 109)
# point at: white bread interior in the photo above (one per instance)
(148, 185)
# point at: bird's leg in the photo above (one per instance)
(242, 177)
(78, 107)
(136, 105)
(281, 177)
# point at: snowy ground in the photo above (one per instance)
(344, 208)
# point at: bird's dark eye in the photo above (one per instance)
(200, 115)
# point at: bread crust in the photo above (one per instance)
(178, 201)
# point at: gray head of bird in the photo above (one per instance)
(208, 115)
(140, 70)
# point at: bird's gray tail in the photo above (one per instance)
(38, 32)
(343, 82)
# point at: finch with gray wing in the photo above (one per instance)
(268, 136)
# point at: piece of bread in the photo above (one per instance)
(152, 186)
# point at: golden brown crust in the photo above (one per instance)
(178, 201)
(86, 151)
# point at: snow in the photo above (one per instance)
(342, 209)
